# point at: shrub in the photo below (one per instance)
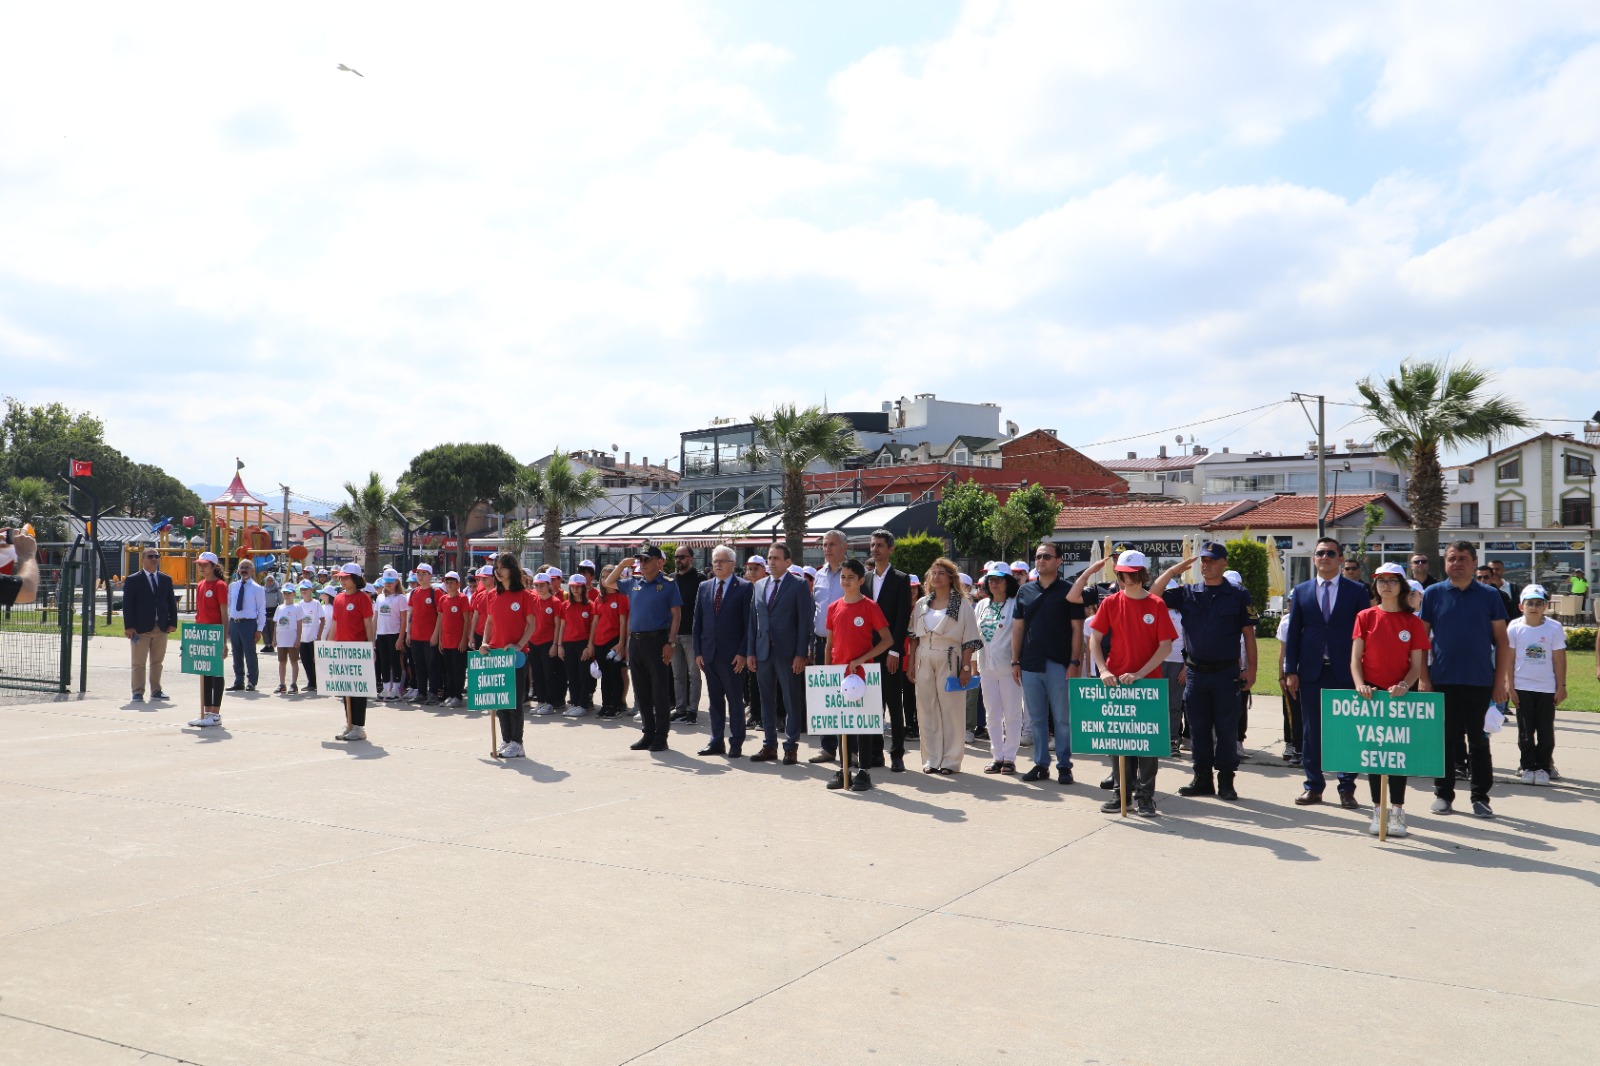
(1581, 639)
(915, 552)
(1249, 557)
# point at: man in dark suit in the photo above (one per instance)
(1316, 656)
(891, 589)
(721, 632)
(149, 613)
(781, 617)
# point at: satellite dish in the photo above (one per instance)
(1179, 438)
(614, 447)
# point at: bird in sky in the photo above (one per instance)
(352, 70)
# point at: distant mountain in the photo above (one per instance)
(207, 493)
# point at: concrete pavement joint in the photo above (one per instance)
(1152, 942)
(865, 943)
(99, 1039)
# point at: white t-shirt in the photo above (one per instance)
(327, 621)
(390, 612)
(310, 620)
(994, 629)
(286, 620)
(1533, 653)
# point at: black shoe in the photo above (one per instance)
(1109, 782)
(1200, 785)
(235, 688)
(250, 687)
(659, 745)
(158, 695)
(642, 744)
(1111, 806)
(1038, 773)
(675, 716)
(837, 780)
(897, 764)
(1145, 808)
(1225, 786)
(688, 718)
(980, 733)
(1063, 775)
(716, 747)
(823, 756)
(1177, 752)
(861, 782)
(735, 751)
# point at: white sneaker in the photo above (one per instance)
(1397, 822)
(970, 737)
(1527, 777)
(1540, 777)
(206, 720)
(1441, 806)
(345, 735)
(511, 750)
(356, 733)
(574, 711)
(1026, 741)
(544, 708)
(410, 695)
(1374, 827)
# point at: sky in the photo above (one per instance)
(579, 225)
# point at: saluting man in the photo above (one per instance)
(1215, 614)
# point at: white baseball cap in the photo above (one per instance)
(589, 563)
(552, 572)
(1132, 560)
(353, 569)
(1019, 565)
(208, 557)
(853, 686)
(577, 579)
(541, 579)
(966, 579)
(1391, 568)
(424, 568)
(451, 575)
(758, 560)
(486, 570)
(1234, 578)
(1534, 592)
(809, 571)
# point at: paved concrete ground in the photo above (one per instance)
(267, 895)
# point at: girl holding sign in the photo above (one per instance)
(858, 633)
(210, 609)
(510, 627)
(353, 623)
(1390, 653)
(944, 634)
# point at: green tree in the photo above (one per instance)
(915, 552)
(1428, 406)
(1371, 517)
(33, 500)
(559, 489)
(966, 511)
(452, 479)
(1249, 556)
(38, 440)
(154, 493)
(792, 439)
(1010, 525)
(1040, 509)
(368, 517)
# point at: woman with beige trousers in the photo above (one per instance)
(944, 634)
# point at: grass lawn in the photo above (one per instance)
(1583, 691)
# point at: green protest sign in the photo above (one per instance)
(492, 680)
(830, 709)
(203, 648)
(1120, 719)
(1398, 735)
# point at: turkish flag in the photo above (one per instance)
(81, 468)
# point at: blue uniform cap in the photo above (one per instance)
(1213, 550)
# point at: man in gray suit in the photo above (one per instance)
(780, 639)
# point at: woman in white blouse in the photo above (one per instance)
(944, 634)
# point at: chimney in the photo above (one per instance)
(1163, 454)
(1224, 449)
(627, 457)
(644, 460)
(1133, 455)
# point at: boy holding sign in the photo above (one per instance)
(1141, 633)
(1390, 652)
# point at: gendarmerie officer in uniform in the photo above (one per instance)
(1214, 613)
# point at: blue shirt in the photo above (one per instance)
(1213, 617)
(1463, 632)
(650, 603)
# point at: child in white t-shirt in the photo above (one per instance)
(1539, 663)
(286, 636)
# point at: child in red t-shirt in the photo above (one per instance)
(1141, 634)
(1390, 653)
(576, 631)
(511, 620)
(857, 634)
(353, 623)
(210, 609)
(451, 635)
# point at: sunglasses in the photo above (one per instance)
(1326, 555)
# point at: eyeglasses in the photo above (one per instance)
(1352, 568)
(1043, 555)
(1326, 554)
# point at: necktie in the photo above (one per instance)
(716, 602)
(772, 589)
(153, 586)
(238, 601)
(1327, 600)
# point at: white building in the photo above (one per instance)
(1224, 476)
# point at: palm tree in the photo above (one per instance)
(792, 439)
(368, 516)
(1429, 406)
(559, 489)
(31, 500)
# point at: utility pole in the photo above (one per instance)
(1322, 455)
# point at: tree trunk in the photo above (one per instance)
(1426, 496)
(463, 553)
(552, 535)
(369, 546)
(794, 514)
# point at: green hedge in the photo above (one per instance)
(1581, 639)
(915, 552)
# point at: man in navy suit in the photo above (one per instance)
(721, 632)
(780, 642)
(1317, 656)
(149, 613)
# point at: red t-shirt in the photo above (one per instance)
(579, 619)
(854, 627)
(424, 612)
(208, 599)
(1391, 637)
(454, 611)
(610, 609)
(1136, 627)
(350, 613)
(509, 612)
(480, 607)
(545, 613)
